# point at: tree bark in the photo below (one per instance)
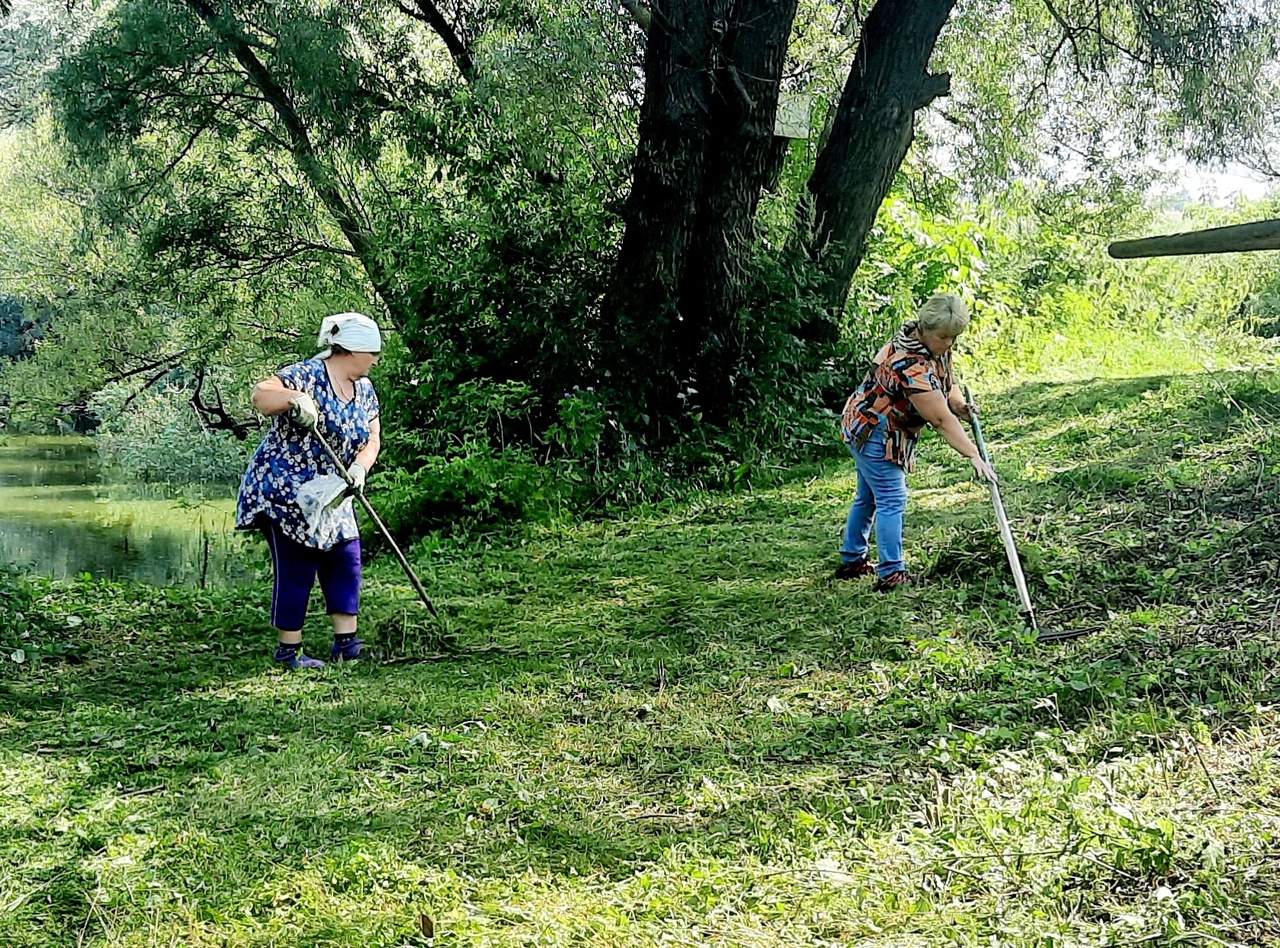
(741, 163)
(643, 305)
(873, 129)
(706, 151)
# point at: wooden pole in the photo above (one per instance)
(1238, 238)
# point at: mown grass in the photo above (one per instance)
(676, 729)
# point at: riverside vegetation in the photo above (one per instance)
(672, 727)
(651, 716)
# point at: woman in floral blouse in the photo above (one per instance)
(911, 384)
(330, 393)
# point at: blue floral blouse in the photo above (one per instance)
(288, 457)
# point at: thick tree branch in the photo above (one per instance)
(934, 86)
(319, 175)
(166, 364)
(639, 12)
(430, 14)
(216, 417)
(147, 383)
(873, 129)
(299, 140)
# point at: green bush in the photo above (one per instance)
(156, 437)
(451, 494)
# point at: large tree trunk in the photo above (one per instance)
(873, 129)
(743, 158)
(705, 150)
(675, 135)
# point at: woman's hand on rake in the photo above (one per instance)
(984, 470)
(304, 412)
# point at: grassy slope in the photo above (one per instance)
(677, 729)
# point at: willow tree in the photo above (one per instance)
(33, 35)
(294, 144)
(712, 80)
(324, 102)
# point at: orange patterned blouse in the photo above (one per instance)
(902, 368)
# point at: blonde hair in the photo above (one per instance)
(944, 313)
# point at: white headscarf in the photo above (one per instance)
(355, 332)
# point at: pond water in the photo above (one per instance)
(62, 515)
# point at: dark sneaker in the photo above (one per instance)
(347, 651)
(895, 580)
(854, 570)
(294, 659)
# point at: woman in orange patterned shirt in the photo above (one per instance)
(911, 384)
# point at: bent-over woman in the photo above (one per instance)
(911, 384)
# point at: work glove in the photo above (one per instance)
(304, 412)
(358, 475)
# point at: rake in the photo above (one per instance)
(382, 528)
(1011, 551)
(1002, 519)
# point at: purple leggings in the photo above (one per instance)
(296, 567)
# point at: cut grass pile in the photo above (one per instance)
(677, 729)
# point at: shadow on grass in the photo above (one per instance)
(678, 684)
(1083, 397)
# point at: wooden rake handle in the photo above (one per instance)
(382, 528)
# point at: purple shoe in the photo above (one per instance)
(346, 651)
(290, 656)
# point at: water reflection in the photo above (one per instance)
(61, 515)
(36, 462)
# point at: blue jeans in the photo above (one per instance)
(882, 498)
